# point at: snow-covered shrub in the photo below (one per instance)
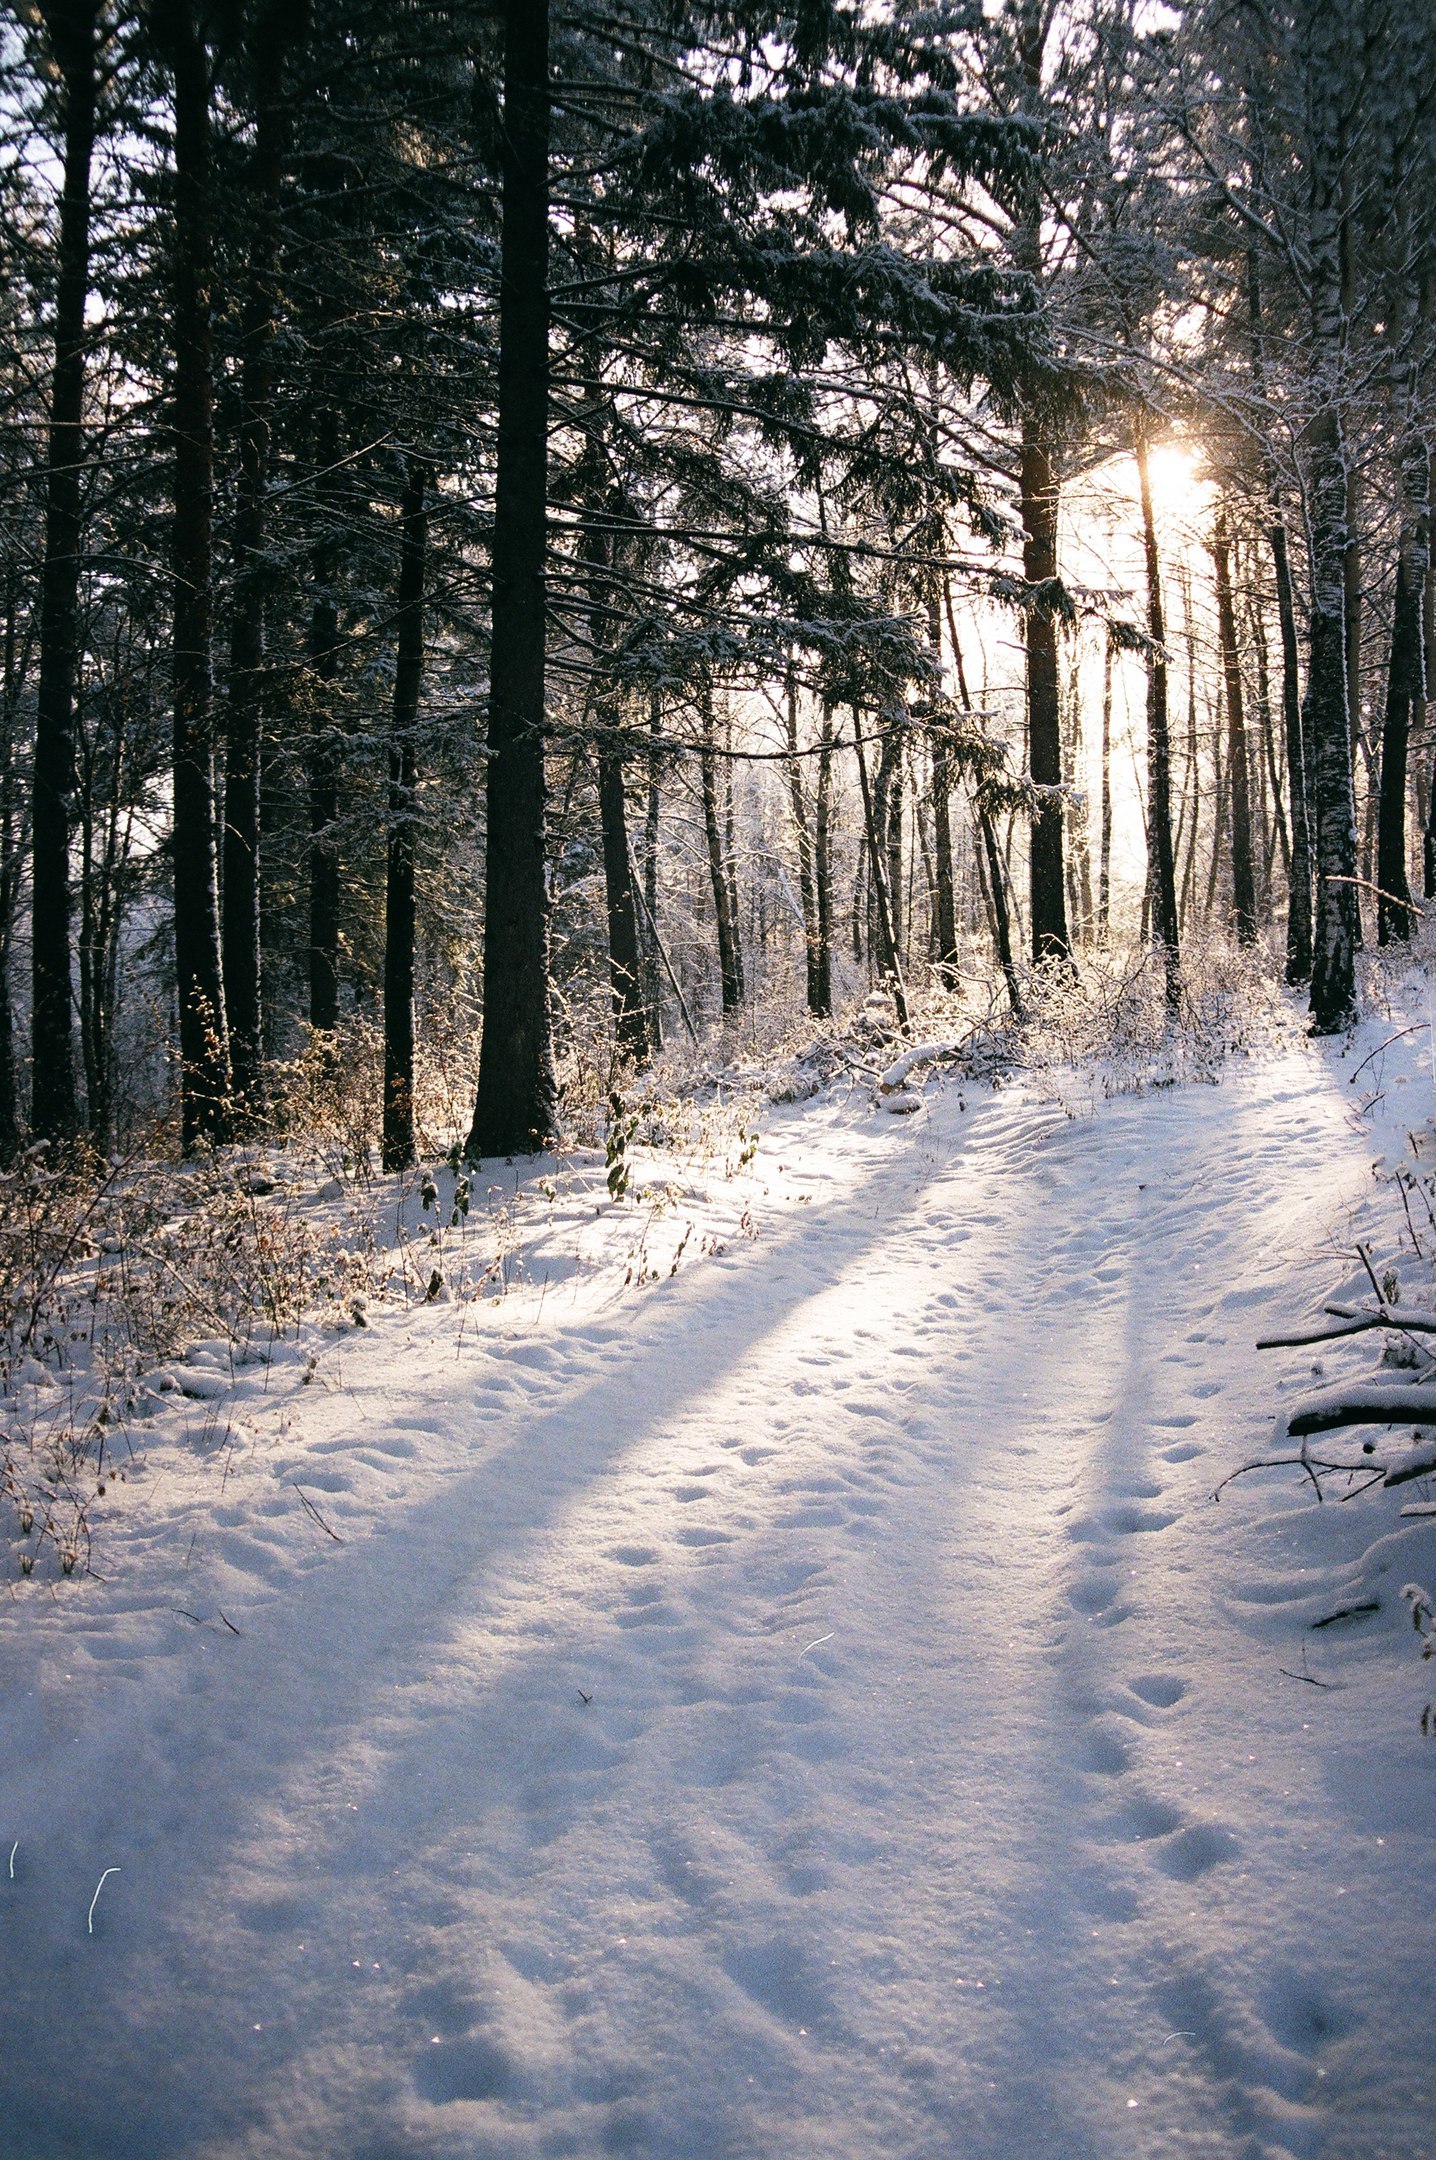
(111, 1273)
(1102, 1027)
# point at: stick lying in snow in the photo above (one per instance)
(1356, 1319)
(99, 1886)
(308, 1503)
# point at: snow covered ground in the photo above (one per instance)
(807, 1707)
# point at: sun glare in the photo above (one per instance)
(1175, 472)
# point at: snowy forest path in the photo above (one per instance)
(813, 1709)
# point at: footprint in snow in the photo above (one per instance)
(1161, 1690)
(471, 2068)
(1196, 1849)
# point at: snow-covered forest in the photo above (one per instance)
(717, 1079)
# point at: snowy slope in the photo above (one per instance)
(808, 1707)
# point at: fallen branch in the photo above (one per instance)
(1371, 1404)
(928, 1053)
(1357, 1319)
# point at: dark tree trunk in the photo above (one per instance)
(822, 999)
(887, 803)
(12, 840)
(516, 1108)
(1050, 938)
(399, 1146)
(1298, 921)
(244, 713)
(803, 839)
(730, 959)
(1337, 923)
(1405, 690)
(652, 950)
(322, 750)
(944, 893)
(1104, 860)
(1351, 606)
(1161, 857)
(625, 959)
(878, 873)
(1271, 757)
(204, 1054)
(73, 30)
(1238, 770)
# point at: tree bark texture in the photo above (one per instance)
(1336, 925)
(204, 1053)
(1405, 690)
(245, 708)
(625, 958)
(1048, 898)
(516, 1106)
(1238, 767)
(730, 958)
(73, 28)
(399, 1142)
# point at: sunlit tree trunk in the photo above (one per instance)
(399, 1143)
(1238, 770)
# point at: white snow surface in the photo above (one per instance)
(806, 1708)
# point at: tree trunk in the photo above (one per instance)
(944, 893)
(204, 1053)
(244, 713)
(516, 1110)
(878, 874)
(1161, 858)
(625, 963)
(399, 1145)
(730, 960)
(650, 871)
(73, 30)
(1104, 860)
(1271, 754)
(1050, 938)
(1298, 921)
(1238, 771)
(822, 1001)
(12, 841)
(321, 755)
(803, 839)
(1337, 921)
(1405, 688)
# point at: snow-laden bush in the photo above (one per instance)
(111, 1273)
(1102, 1027)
